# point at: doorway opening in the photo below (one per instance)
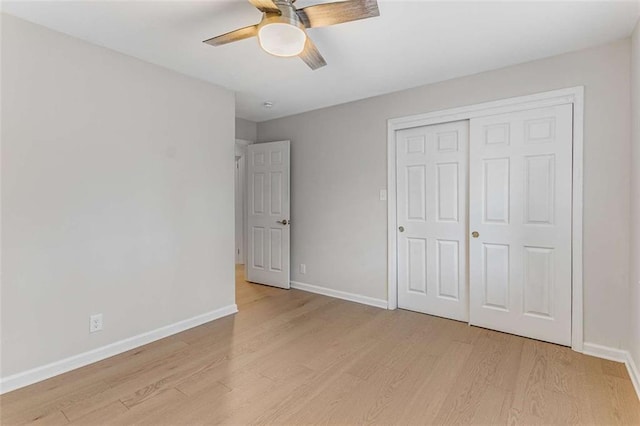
(262, 217)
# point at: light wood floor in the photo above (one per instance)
(294, 357)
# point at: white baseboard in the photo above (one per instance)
(634, 373)
(44, 372)
(365, 300)
(606, 352)
(618, 355)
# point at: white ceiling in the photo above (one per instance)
(412, 43)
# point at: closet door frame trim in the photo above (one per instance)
(572, 95)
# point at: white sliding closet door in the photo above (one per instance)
(520, 207)
(432, 218)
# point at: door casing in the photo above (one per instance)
(241, 151)
(573, 96)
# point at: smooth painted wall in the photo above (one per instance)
(634, 281)
(246, 130)
(339, 165)
(117, 196)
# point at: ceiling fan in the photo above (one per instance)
(282, 30)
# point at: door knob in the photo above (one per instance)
(284, 222)
(475, 234)
(401, 228)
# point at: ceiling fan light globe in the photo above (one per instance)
(281, 39)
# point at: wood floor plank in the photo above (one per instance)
(213, 405)
(616, 369)
(270, 400)
(53, 418)
(319, 408)
(20, 411)
(153, 411)
(505, 377)
(528, 400)
(430, 397)
(383, 394)
(103, 414)
(493, 407)
(473, 381)
(291, 357)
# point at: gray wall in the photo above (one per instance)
(634, 282)
(246, 130)
(116, 196)
(339, 165)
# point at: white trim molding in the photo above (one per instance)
(618, 355)
(574, 96)
(604, 352)
(634, 373)
(352, 297)
(44, 372)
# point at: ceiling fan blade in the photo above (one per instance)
(232, 36)
(326, 14)
(264, 5)
(311, 56)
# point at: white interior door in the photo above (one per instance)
(432, 217)
(520, 207)
(268, 213)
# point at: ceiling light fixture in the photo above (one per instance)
(282, 39)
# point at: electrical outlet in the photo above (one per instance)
(383, 195)
(95, 323)
(303, 268)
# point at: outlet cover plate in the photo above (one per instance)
(95, 323)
